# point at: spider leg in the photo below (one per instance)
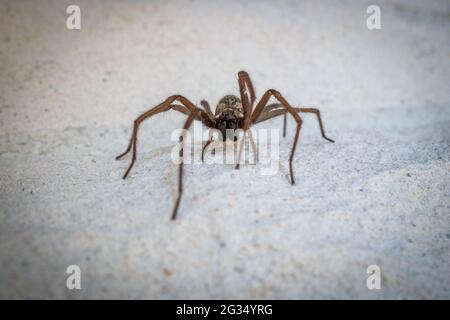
(208, 111)
(267, 113)
(207, 108)
(274, 110)
(259, 108)
(205, 146)
(317, 113)
(176, 107)
(241, 145)
(210, 140)
(246, 86)
(186, 127)
(162, 107)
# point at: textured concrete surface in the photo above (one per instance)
(379, 195)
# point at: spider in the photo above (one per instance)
(231, 113)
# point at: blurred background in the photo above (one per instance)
(379, 195)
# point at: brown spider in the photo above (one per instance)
(231, 113)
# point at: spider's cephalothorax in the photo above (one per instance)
(229, 115)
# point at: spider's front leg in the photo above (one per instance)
(176, 107)
(207, 108)
(187, 108)
(186, 127)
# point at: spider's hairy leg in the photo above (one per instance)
(172, 106)
(187, 108)
(210, 140)
(245, 84)
(259, 109)
(207, 108)
(317, 113)
(274, 110)
(180, 172)
(205, 146)
(241, 145)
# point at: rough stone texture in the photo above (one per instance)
(379, 195)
